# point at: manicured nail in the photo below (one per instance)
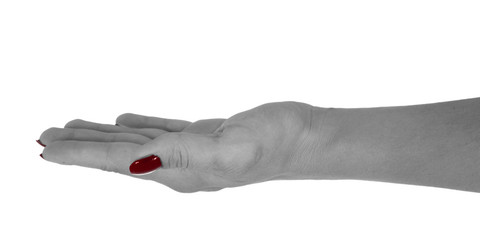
(145, 165)
(39, 142)
(41, 156)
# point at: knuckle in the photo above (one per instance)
(182, 154)
(179, 155)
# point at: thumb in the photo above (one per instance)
(178, 150)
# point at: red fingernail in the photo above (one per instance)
(39, 142)
(41, 156)
(145, 165)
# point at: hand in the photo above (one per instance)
(207, 155)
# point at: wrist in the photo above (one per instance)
(313, 156)
(338, 145)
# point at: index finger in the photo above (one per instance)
(107, 156)
(139, 121)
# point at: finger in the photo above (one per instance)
(182, 150)
(140, 121)
(204, 126)
(113, 157)
(81, 124)
(61, 134)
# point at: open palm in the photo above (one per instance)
(252, 146)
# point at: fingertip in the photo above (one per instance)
(47, 135)
(122, 118)
(46, 153)
(73, 123)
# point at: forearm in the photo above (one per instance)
(432, 145)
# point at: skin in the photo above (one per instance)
(431, 145)
(252, 146)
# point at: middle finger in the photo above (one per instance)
(61, 134)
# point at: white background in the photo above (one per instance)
(61, 60)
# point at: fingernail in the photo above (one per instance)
(145, 165)
(39, 142)
(41, 156)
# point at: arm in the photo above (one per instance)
(432, 145)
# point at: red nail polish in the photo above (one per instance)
(39, 142)
(145, 165)
(41, 156)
